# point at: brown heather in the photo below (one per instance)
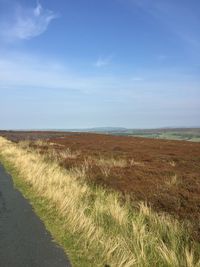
(123, 236)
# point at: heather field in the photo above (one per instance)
(95, 225)
(111, 200)
(163, 173)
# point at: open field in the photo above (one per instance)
(111, 232)
(164, 173)
(186, 134)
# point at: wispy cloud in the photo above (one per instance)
(26, 23)
(31, 71)
(19, 70)
(137, 79)
(103, 61)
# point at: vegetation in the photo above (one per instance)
(185, 134)
(109, 232)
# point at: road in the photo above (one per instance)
(24, 241)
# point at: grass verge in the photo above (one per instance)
(91, 224)
(54, 223)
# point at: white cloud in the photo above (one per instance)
(26, 23)
(37, 11)
(103, 61)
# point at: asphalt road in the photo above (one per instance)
(24, 241)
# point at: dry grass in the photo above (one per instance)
(111, 162)
(123, 236)
(133, 162)
(172, 181)
(50, 151)
(172, 163)
(62, 155)
(69, 154)
(107, 164)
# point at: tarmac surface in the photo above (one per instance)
(24, 241)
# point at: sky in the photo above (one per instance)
(95, 63)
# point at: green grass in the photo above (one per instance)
(182, 135)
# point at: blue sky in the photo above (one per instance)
(79, 64)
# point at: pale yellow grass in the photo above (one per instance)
(123, 236)
(111, 162)
(51, 152)
(174, 180)
(107, 164)
(172, 163)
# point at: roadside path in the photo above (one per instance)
(24, 241)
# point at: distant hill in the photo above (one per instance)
(106, 129)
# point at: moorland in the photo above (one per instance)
(162, 174)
